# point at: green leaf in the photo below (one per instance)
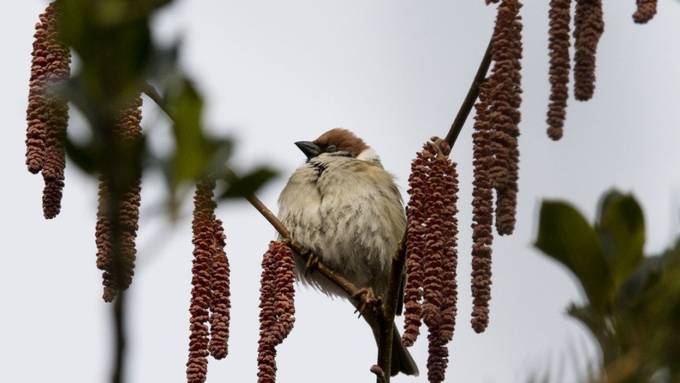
(621, 228)
(565, 235)
(244, 186)
(192, 151)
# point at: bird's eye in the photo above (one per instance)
(331, 149)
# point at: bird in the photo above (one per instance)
(345, 208)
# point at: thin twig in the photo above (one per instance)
(470, 99)
(120, 341)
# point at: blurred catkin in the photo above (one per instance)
(646, 9)
(588, 28)
(47, 112)
(560, 66)
(277, 306)
(118, 272)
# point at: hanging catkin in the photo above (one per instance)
(277, 306)
(220, 303)
(431, 290)
(646, 9)
(505, 113)
(117, 273)
(210, 294)
(47, 112)
(560, 66)
(201, 297)
(588, 28)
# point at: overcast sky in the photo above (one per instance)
(395, 73)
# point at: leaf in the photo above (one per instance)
(565, 235)
(244, 186)
(621, 228)
(192, 152)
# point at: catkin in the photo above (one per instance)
(505, 114)
(118, 273)
(430, 294)
(277, 306)
(588, 28)
(646, 10)
(220, 304)
(560, 66)
(415, 245)
(203, 226)
(482, 211)
(47, 112)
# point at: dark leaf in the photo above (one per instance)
(565, 235)
(247, 185)
(621, 228)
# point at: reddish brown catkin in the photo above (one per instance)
(433, 260)
(507, 105)
(50, 63)
(220, 303)
(443, 187)
(588, 28)
(415, 245)
(277, 306)
(646, 10)
(482, 211)
(446, 194)
(560, 66)
(47, 113)
(203, 226)
(127, 130)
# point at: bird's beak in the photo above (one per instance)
(309, 148)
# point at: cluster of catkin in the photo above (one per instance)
(118, 270)
(47, 113)
(430, 292)
(277, 306)
(588, 28)
(496, 153)
(210, 303)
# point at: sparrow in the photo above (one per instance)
(344, 207)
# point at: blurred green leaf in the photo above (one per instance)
(621, 228)
(247, 185)
(565, 235)
(193, 151)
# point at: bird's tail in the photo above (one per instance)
(402, 361)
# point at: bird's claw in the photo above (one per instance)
(367, 298)
(312, 263)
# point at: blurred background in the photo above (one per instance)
(394, 72)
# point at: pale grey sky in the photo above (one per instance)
(394, 72)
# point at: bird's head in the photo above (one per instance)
(338, 142)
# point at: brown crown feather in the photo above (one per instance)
(343, 139)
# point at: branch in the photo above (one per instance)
(470, 99)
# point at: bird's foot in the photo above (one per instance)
(312, 263)
(367, 298)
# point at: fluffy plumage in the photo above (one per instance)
(346, 208)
